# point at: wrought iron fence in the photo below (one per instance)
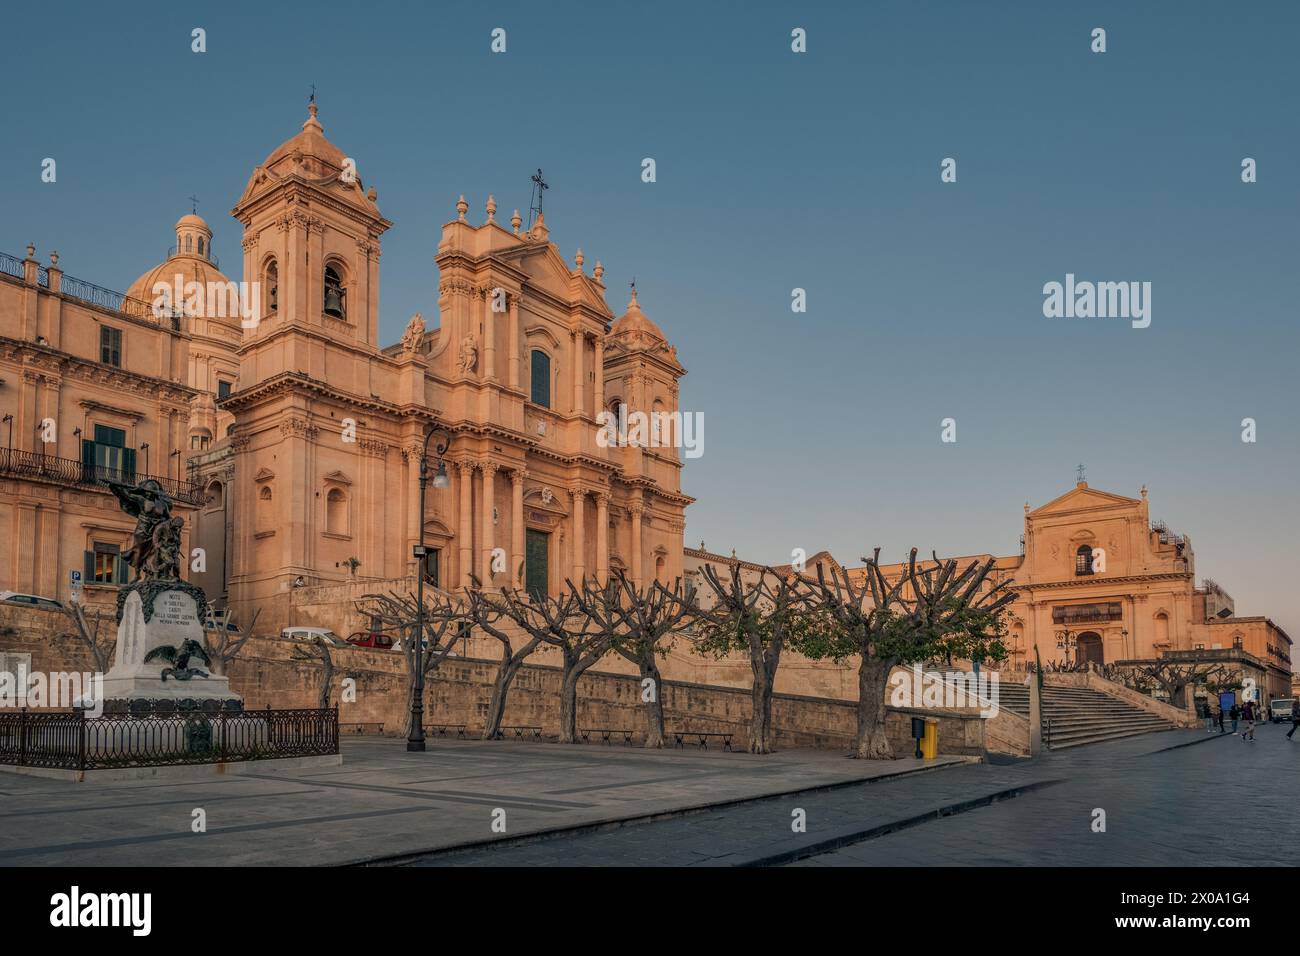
(97, 295)
(11, 265)
(28, 464)
(73, 741)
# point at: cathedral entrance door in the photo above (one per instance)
(1089, 649)
(537, 561)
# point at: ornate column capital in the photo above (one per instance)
(489, 468)
(466, 467)
(518, 475)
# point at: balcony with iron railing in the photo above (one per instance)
(35, 466)
(94, 295)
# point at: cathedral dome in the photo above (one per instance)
(190, 260)
(636, 324)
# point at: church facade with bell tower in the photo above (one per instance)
(314, 481)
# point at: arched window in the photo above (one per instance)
(200, 245)
(336, 511)
(189, 243)
(541, 379)
(272, 284)
(659, 569)
(1237, 641)
(336, 303)
(1083, 559)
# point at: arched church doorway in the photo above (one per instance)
(1089, 649)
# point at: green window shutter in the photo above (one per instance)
(87, 460)
(88, 568)
(128, 465)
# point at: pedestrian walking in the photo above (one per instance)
(1235, 714)
(1221, 727)
(1208, 714)
(1295, 719)
(1248, 712)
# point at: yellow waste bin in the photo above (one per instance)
(930, 742)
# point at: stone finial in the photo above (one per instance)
(516, 221)
(598, 271)
(462, 207)
(54, 259)
(372, 194)
(1026, 507)
(31, 249)
(491, 209)
(1144, 492)
(578, 259)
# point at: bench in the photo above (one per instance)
(360, 729)
(522, 731)
(605, 734)
(702, 737)
(441, 730)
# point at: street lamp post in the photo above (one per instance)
(1066, 641)
(416, 739)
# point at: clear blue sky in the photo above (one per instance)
(778, 170)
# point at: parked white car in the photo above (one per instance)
(30, 600)
(308, 635)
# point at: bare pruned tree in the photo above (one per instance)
(319, 654)
(222, 647)
(399, 614)
(1174, 677)
(485, 611)
(923, 614)
(581, 638)
(648, 616)
(759, 619)
(88, 631)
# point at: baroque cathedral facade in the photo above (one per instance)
(302, 434)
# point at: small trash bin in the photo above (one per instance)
(930, 742)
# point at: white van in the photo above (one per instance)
(1280, 710)
(308, 635)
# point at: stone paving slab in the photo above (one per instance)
(760, 832)
(1231, 803)
(384, 801)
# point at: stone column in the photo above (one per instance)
(513, 363)
(602, 536)
(579, 533)
(465, 528)
(599, 374)
(411, 455)
(486, 542)
(489, 337)
(635, 511)
(578, 349)
(517, 524)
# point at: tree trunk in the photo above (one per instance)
(569, 704)
(649, 668)
(763, 663)
(326, 679)
(873, 681)
(506, 671)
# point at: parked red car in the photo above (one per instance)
(381, 642)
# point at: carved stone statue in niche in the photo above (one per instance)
(468, 354)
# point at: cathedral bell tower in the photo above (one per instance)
(311, 258)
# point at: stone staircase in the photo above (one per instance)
(1073, 716)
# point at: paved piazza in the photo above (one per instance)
(563, 806)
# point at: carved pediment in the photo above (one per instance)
(1084, 499)
(264, 474)
(337, 478)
